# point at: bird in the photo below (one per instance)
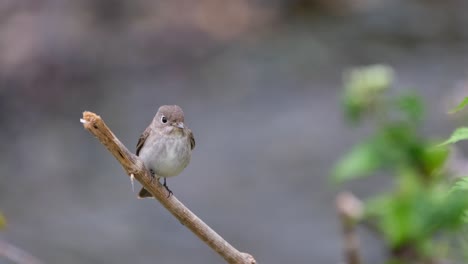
(165, 146)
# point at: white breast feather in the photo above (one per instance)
(167, 163)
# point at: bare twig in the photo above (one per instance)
(133, 165)
(16, 254)
(349, 210)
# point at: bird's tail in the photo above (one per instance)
(144, 194)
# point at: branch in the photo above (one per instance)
(16, 255)
(134, 167)
(349, 210)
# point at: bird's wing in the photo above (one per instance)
(142, 140)
(192, 139)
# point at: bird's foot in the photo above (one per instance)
(167, 188)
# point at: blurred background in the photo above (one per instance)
(260, 84)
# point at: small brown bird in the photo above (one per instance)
(166, 145)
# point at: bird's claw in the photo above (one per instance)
(169, 191)
(167, 188)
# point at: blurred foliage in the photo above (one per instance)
(421, 206)
(362, 89)
(2, 221)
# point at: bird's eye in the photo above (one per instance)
(164, 119)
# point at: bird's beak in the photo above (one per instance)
(180, 125)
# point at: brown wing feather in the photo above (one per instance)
(142, 139)
(192, 139)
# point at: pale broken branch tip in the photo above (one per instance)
(132, 178)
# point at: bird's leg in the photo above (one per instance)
(153, 176)
(167, 188)
(164, 184)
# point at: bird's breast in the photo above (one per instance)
(166, 156)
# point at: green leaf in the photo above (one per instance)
(447, 213)
(458, 135)
(354, 110)
(359, 162)
(460, 185)
(397, 217)
(465, 216)
(411, 106)
(460, 106)
(434, 158)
